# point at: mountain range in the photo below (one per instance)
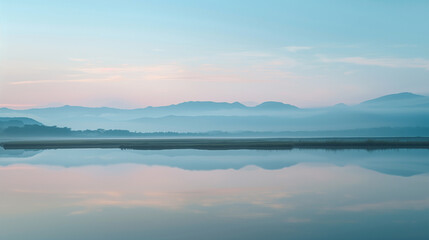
(400, 110)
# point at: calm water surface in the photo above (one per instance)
(192, 194)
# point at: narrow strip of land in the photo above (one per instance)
(223, 144)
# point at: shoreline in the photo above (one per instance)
(223, 143)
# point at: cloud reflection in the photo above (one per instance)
(300, 188)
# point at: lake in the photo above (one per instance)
(225, 194)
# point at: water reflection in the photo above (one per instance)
(311, 199)
(401, 162)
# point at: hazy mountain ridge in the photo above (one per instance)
(394, 97)
(393, 164)
(405, 99)
(6, 122)
(396, 110)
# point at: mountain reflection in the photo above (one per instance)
(197, 194)
(400, 162)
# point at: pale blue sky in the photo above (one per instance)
(139, 53)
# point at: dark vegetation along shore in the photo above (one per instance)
(60, 132)
(223, 143)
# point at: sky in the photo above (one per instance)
(132, 54)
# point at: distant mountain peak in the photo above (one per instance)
(68, 107)
(403, 96)
(272, 105)
(340, 106)
(208, 102)
(205, 105)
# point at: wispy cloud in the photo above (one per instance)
(9, 105)
(205, 72)
(349, 72)
(131, 69)
(158, 50)
(297, 48)
(283, 62)
(249, 54)
(383, 62)
(108, 79)
(78, 59)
